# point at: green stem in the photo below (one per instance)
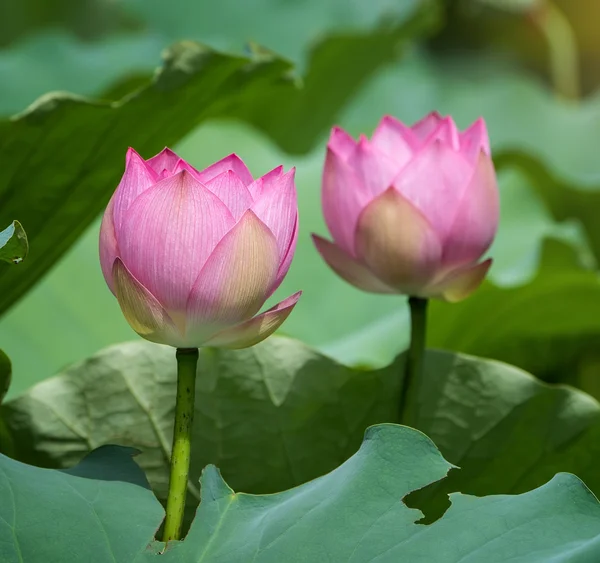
(414, 358)
(187, 361)
(562, 48)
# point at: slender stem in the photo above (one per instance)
(187, 360)
(414, 358)
(562, 48)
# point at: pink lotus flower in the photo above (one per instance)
(191, 256)
(412, 210)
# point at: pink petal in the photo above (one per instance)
(236, 280)
(232, 162)
(287, 259)
(446, 132)
(348, 268)
(343, 198)
(395, 241)
(474, 140)
(459, 284)
(476, 221)
(168, 234)
(426, 126)
(141, 309)
(341, 143)
(137, 179)
(374, 169)
(265, 183)
(395, 139)
(256, 329)
(164, 160)
(434, 182)
(231, 191)
(108, 245)
(278, 210)
(183, 165)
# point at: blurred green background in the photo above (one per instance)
(532, 69)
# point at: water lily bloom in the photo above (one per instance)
(412, 210)
(193, 255)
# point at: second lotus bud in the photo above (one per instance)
(411, 211)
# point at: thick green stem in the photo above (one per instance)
(187, 360)
(414, 359)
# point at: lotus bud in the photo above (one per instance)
(192, 256)
(412, 210)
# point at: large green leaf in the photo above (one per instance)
(55, 59)
(355, 513)
(565, 198)
(280, 414)
(62, 158)
(262, 405)
(102, 508)
(13, 243)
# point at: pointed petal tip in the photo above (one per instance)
(390, 120)
(234, 157)
(289, 175)
(232, 162)
(341, 142)
(462, 284)
(337, 131)
(167, 152)
(257, 328)
(133, 154)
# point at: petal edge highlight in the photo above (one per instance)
(460, 284)
(142, 310)
(257, 328)
(348, 268)
(108, 246)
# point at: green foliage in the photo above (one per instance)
(282, 414)
(60, 192)
(566, 199)
(526, 125)
(6, 444)
(279, 414)
(13, 243)
(89, 513)
(5, 373)
(355, 513)
(549, 326)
